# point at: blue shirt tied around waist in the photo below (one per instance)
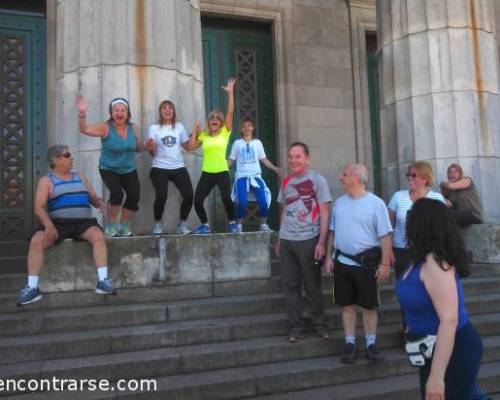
(420, 314)
(69, 198)
(117, 154)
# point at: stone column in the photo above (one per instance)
(440, 91)
(143, 50)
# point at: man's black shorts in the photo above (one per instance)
(70, 228)
(355, 285)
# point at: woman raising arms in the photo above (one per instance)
(120, 139)
(215, 171)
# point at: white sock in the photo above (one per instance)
(32, 281)
(102, 273)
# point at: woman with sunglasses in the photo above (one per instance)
(420, 178)
(120, 139)
(248, 152)
(166, 139)
(215, 171)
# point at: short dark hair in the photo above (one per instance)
(304, 146)
(431, 228)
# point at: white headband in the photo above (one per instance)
(119, 101)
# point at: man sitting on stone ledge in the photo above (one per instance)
(62, 204)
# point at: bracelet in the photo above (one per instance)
(82, 115)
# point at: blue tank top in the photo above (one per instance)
(69, 199)
(117, 154)
(420, 314)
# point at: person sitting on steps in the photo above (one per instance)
(62, 204)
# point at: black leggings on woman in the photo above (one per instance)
(206, 183)
(119, 183)
(180, 177)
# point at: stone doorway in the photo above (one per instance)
(242, 49)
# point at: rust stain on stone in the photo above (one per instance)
(140, 69)
(476, 59)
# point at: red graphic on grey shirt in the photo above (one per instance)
(307, 195)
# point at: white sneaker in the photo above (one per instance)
(265, 228)
(183, 230)
(157, 229)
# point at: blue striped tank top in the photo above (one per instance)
(69, 199)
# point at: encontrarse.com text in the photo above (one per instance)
(77, 385)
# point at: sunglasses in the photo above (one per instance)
(413, 175)
(65, 155)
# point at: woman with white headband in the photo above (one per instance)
(120, 140)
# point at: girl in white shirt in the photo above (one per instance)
(166, 140)
(247, 152)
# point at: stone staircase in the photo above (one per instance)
(226, 343)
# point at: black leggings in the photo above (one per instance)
(180, 177)
(119, 183)
(206, 183)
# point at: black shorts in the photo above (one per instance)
(70, 228)
(355, 285)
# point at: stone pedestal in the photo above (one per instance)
(143, 50)
(143, 261)
(440, 91)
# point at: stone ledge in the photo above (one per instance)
(135, 262)
(483, 240)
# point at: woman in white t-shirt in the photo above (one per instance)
(166, 139)
(248, 152)
(420, 179)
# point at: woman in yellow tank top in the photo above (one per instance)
(215, 172)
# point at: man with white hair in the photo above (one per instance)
(359, 226)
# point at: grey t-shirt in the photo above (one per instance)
(302, 197)
(359, 223)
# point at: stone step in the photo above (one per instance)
(142, 337)
(295, 375)
(159, 293)
(107, 316)
(390, 388)
(12, 265)
(196, 358)
(11, 283)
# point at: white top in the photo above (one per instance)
(247, 156)
(400, 204)
(168, 142)
(358, 223)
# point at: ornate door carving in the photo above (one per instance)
(22, 123)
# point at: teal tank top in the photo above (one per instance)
(117, 154)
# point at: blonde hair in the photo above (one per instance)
(424, 170)
(217, 115)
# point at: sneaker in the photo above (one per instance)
(203, 229)
(349, 353)
(235, 228)
(124, 231)
(183, 230)
(28, 295)
(265, 228)
(322, 332)
(295, 335)
(157, 229)
(105, 287)
(373, 354)
(111, 231)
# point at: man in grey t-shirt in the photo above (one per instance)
(305, 199)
